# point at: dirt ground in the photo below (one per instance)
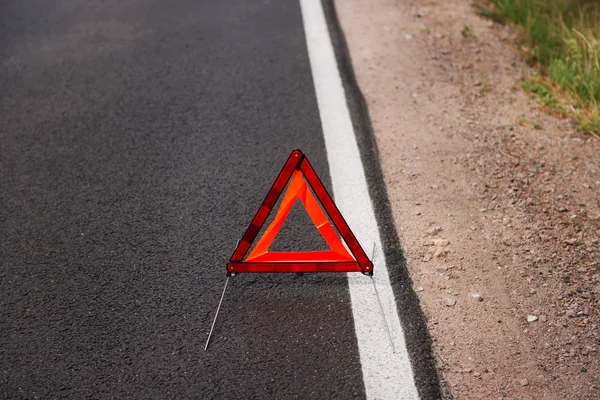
(497, 202)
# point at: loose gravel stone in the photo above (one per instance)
(477, 297)
(441, 242)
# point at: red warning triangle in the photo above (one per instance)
(298, 189)
(302, 178)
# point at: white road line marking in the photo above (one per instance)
(387, 375)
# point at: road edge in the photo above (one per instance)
(429, 384)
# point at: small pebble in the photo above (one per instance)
(477, 297)
(587, 310)
(441, 242)
(532, 318)
(422, 12)
(433, 231)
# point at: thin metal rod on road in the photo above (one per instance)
(216, 314)
(387, 327)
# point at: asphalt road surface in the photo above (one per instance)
(137, 140)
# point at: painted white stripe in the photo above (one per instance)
(387, 375)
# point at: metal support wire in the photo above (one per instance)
(216, 314)
(219, 306)
(387, 327)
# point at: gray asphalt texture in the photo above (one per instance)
(137, 140)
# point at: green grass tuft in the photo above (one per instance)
(548, 98)
(561, 37)
(467, 31)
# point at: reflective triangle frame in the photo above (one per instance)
(301, 175)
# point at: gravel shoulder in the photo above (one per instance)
(496, 201)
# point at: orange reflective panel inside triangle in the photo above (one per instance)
(298, 189)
